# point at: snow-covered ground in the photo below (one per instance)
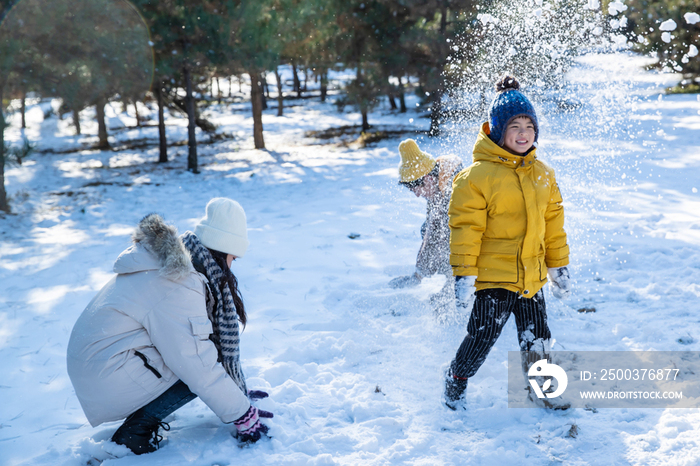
(354, 368)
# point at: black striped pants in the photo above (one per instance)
(491, 311)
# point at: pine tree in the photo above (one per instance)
(392, 20)
(4, 204)
(189, 39)
(358, 47)
(667, 30)
(437, 27)
(103, 50)
(253, 42)
(16, 57)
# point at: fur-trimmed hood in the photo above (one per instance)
(156, 247)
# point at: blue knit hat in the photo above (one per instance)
(509, 104)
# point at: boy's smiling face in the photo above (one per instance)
(520, 135)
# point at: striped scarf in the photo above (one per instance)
(221, 309)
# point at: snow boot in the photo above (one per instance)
(139, 433)
(455, 392)
(547, 403)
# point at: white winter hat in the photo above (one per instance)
(224, 227)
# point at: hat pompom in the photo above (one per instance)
(507, 83)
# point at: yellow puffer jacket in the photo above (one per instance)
(506, 220)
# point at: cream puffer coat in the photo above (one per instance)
(506, 220)
(153, 309)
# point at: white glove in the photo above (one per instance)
(561, 282)
(464, 292)
(406, 281)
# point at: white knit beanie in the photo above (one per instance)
(224, 227)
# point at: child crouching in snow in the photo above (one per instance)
(165, 331)
(507, 235)
(430, 178)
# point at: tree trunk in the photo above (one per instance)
(263, 85)
(23, 109)
(191, 139)
(443, 18)
(363, 107)
(297, 84)
(240, 89)
(230, 86)
(435, 114)
(402, 99)
(4, 205)
(136, 111)
(392, 101)
(365, 121)
(306, 78)
(162, 141)
(76, 121)
(218, 89)
(280, 94)
(103, 142)
(266, 84)
(324, 84)
(256, 101)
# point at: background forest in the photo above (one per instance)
(184, 54)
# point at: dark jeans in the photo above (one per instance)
(491, 311)
(171, 400)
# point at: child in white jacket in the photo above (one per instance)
(142, 347)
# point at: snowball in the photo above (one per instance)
(623, 22)
(538, 12)
(666, 37)
(668, 25)
(512, 51)
(619, 40)
(692, 18)
(593, 4)
(597, 31)
(616, 7)
(486, 18)
(692, 51)
(614, 23)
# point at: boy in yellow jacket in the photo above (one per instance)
(507, 234)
